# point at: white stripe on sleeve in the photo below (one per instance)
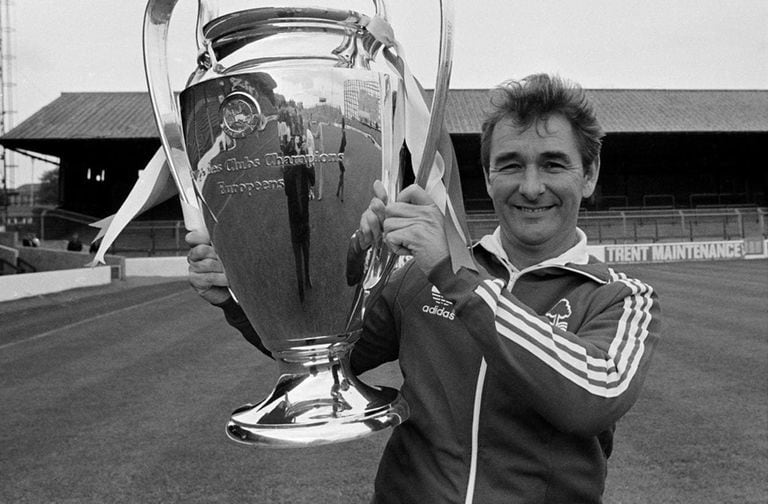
(605, 377)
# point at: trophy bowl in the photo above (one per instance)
(275, 143)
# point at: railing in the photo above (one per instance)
(151, 238)
(139, 238)
(157, 238)
(659, 200)
(722, 199)
(673, 225)
(64, 215)
(637, 226)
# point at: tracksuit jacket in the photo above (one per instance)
(514, 379)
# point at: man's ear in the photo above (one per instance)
(591, 173)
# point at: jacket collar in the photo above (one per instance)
(574, 255)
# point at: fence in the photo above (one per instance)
(163, 238)
(651, 226)
(151, 238)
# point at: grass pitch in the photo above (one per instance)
(699, 432)
(121, 395)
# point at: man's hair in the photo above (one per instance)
(535, 98)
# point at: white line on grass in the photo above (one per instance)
(91, 319)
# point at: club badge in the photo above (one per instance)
(240, 115)
(559, 314)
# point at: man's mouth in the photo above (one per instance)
(534, 210)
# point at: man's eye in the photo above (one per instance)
(509, 168)
(554, 166)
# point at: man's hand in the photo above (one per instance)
(206, 273)
(413, 225)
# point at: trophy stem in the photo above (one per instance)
(316, 401)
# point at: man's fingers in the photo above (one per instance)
(393, 224)
(197, 237)
(204, 281)
(414, 226)
(378, 208)
(370, 221)
(413, 202)
(406, 232)
(207, 265)
(210, 286)
(200, 252)
(206, 273)
(397, 241)
(426, 213)
(370, 230)
(414, 195)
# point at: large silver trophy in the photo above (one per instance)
(274, 144)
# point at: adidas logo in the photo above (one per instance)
(438, 298)
(443, 307)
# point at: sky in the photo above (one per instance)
(61, 46)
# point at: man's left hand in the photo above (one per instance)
(413, 225)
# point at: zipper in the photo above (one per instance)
(514, 275)
(475, 432)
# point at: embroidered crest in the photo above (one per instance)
(559, 314)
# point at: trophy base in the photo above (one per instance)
(317, 401)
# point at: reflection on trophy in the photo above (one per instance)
(276, 141)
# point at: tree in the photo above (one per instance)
(49, 188)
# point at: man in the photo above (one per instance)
(74, 244)
(516, 385)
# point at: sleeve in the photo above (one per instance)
(355, 261)
(236, 317)
(580, 382)
(380, 342)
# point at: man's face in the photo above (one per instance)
(537, 181)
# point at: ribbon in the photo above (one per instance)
(411, 126)
(154, 186)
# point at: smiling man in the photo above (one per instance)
(515, 374)
(515, 398)
(537, 178)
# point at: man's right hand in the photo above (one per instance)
(206, 273)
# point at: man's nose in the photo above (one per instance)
(532, 185)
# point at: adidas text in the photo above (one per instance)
(439, 311)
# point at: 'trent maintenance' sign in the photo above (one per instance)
(687, 251)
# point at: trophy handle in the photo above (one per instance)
(437, 111)
(156, 20)
(436, 117)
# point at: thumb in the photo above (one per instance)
(379, 191)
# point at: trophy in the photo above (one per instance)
(274, 144)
